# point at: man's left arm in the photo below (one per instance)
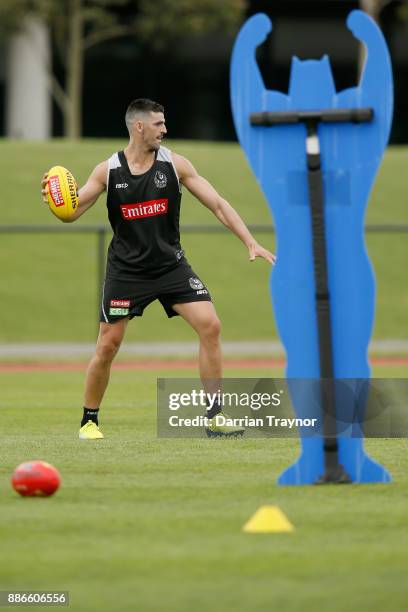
(207, 195)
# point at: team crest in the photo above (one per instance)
(195, 283)
(160, 179)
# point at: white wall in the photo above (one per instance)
(28, 100)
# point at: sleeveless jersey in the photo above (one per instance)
(144, 212)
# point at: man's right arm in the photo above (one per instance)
(88, 194)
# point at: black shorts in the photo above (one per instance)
(124, 298)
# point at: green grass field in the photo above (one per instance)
(151, 524)
(43, 274)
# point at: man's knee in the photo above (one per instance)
(108, 345)
(210, 329)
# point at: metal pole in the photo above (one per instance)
(100, 254)
(334, 471)
(377, 228)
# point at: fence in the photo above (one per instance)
(101, 232)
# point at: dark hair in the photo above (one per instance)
(141, 105)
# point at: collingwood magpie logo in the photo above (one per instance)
(195, 283)
(160, 179)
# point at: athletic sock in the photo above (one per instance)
(90, 414)
(216, 409)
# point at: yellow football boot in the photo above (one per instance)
(90, 431)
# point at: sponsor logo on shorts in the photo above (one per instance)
(118, 311)
(179, 254)
(120, 303)
(160, 179)
(202, 292)
(55, 190)
(195, 283)
(131, 212)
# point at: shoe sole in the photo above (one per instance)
(219, 434)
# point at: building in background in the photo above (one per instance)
(191, 78)
(27, 99)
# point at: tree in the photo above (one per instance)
(78, 25)
(372, 8)
(163, 21)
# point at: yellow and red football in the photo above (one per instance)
(62, 192)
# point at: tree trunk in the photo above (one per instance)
(372, 8)
(28, 103)
(73, 115)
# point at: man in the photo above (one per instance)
(145, 259)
